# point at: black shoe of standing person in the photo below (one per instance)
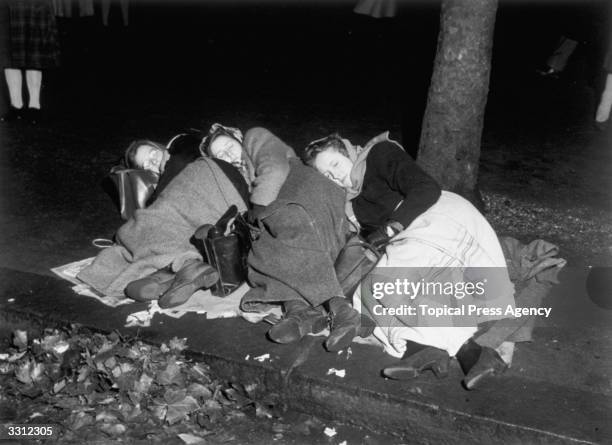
(345, 325)
(12, 115)
(478, 363)
(194, 275)
(299, 321)
(548, 72)
(416, 363)
(34, 116)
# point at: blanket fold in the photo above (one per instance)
(533, 268)
(303, 231)
(159, 235)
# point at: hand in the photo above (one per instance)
(255, 213)
(378, 238)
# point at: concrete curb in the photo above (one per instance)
(411, 414)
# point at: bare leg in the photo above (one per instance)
(605, 103)
(14, 82)
(124, 11)
(105, 10)
(34, 82)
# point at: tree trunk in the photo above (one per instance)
(449, 148)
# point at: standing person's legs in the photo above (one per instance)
(105, 6)
(605, 103)
(14, 82)
(124, 4)
(34, 83)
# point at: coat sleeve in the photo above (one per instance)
(270, 157)
(420, 191)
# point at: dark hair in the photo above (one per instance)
(214, 132)
(313, 149)
(130, 153)
(185, 143)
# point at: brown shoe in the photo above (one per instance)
(345, 325)
(489, 364)
(150, 287)
(194, 275)
(411, 366)
(297, 324)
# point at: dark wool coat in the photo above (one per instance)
(303, 231)
(394, 188)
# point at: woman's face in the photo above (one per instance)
(150, 158)
(335, 166)
(227, 149)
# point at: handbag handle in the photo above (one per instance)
(359, 241)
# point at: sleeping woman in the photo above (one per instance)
(261, 157)
(153, 257)
(427, 235)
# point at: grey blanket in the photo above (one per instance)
(159, 235)
(303, 231)
(533, 268)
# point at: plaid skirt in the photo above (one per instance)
(34, 40)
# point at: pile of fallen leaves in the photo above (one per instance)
(92, 384)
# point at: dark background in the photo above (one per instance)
(292, 60)
(304, 70)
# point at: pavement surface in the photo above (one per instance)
(127, 83)
(557, 391)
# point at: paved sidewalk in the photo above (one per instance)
(558, 390)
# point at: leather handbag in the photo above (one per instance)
(226, 253)
(131, 188)
(356, 259)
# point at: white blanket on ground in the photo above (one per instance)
(202, 302)
(160, 235)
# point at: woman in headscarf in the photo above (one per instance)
(261, 157)
(428, 235)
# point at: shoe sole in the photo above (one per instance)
(341, 341)
(405, 373)
(400, 373)
(471, 384)
(147, 291)
(318, 325)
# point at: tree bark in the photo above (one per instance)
(449, 148)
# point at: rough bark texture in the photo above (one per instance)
(452, 126)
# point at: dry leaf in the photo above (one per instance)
(113, 430)
(178, 344)
(198, 390)
(159, 411)
(262, 411)
(170, 375)
(180, 410)
(59, 386)
(172, 396)
(79, 420)
(20, 339)
(191, 439)
(143, 384)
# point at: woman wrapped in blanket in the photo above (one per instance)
(304, 225)
(428, 235)
(153, 257)
(260, 156)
